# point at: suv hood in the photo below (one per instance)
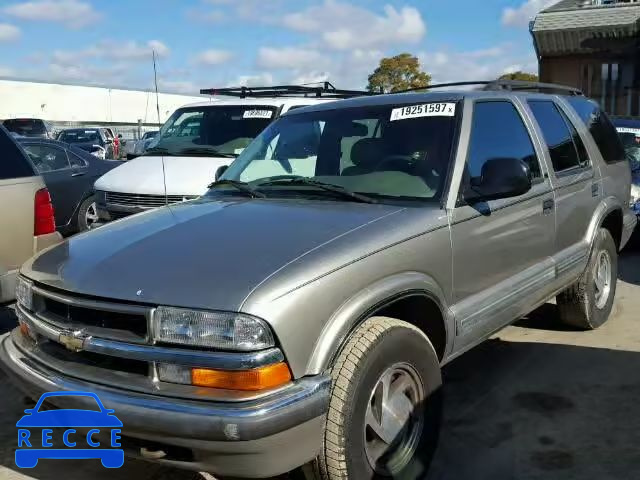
(198, 254)
(187, 176)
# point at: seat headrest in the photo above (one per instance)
(368, 152)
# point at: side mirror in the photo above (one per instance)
(500, 178)
(220, 171)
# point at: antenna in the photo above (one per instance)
(164, 173)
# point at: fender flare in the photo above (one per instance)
(606, 206)
(359, 307)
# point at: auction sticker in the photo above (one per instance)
(257, 114)
(424, 110)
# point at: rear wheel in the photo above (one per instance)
(87, 214)
(385, 408)
(587, 304)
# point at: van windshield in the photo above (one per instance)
(391, 152)
(211, 130)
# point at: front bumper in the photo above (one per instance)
(253, 439)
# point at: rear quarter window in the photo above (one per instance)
(601, 129)
(13, 163)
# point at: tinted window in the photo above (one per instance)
(601, 128)
(499, 132)
(47, 158)
(12, 162)
(75, 160)
(560, 136)
(25, 126)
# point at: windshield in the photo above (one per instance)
(25, 126)
(384, 152)
(631, 140)
(211, 130)
(80, 136)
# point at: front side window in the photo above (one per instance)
(211, 130)
(498, 132)
(386, 152)
(47, 158)
(565, 146)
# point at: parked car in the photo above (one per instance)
(26, 216)
(192, 145)
(309, 299)
(30, 127)
(629, 131)
(138, 147)
(93, 140)
(69, 173)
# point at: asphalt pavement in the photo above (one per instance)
(537, 401)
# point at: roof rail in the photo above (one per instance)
(510, 85)
(324, 90)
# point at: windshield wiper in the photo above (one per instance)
(242, 186)
(206, 151)
(329, 187)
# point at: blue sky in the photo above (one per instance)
(206, 43)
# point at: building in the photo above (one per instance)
(65, 104)
(593, 45)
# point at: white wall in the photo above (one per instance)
(73, 103)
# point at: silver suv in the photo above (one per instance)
(299, 313)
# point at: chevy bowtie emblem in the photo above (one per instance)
(72, 341)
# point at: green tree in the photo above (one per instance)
(398, 73)
(527, 77)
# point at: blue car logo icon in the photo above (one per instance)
(36, 434)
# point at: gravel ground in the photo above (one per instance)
(535, 402)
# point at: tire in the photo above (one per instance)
(83, 219)
(581, 305)
(379, 346)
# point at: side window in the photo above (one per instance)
(76, 161)
(498, 131)
(47, 158)
(565, 146)
(13, 164)
(601, 128)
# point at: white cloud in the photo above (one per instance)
(8, 32)
(293, 58)
(178, 86)
(343, 26)
(96, 75)
(255, 80)
(7, 72)
(447, 66)
(212, 57)
(522, 15)
(109, 50)
(310, 77)
(72, 13)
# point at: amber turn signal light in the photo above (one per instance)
(262, 378)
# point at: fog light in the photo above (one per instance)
(262, 378)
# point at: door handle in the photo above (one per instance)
(77, 174)
(548, 206)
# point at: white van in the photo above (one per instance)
(194, 142)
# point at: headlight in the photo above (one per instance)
(219, 330)
(24, 293)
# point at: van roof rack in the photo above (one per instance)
(324, 90)
(510, 85)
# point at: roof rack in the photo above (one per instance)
(510, 85)
(325, 90)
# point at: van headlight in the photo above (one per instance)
(24, 293)
(219, 330)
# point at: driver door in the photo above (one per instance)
(502, 248)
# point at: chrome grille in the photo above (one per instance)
(108, 320)
(143, 200)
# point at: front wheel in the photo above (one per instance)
(385, 407)
(587, 304)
